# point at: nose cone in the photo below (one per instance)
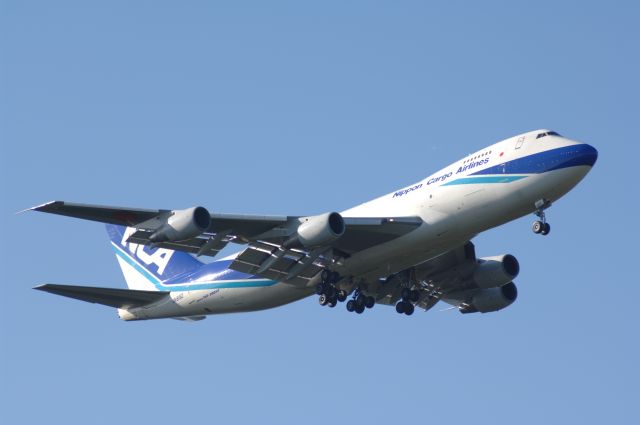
(573, 155)
(586, 155)
(573, 161)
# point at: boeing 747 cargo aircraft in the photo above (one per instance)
(409, 249)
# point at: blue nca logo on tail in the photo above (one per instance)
(156, 264)
(159, 257)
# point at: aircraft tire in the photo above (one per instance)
(351, 306)
(546, 229)
(409, 309)
(400, 307)
(359, 309)
(370, 302)
(342, 295)
(537, 227)
(323, 300)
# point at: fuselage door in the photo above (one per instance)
(520, 142)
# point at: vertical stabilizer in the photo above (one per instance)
(146, 268)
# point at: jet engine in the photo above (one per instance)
(493, 272)
(182, 225)
(320, 230)
(493, 299)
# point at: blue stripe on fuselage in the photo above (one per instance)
(553, 159)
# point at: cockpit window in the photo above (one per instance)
(548, 133)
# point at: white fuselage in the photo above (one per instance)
(453, 214)
(455, 203)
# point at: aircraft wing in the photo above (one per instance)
(112, 297)
(222, 228)
(270, 253)
(273, 260)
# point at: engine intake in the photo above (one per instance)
(493, 299)
(182, 225)
(493, 272)
(320, 229)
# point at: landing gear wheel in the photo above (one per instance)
(361, 300)
(342, 295)
(323, 300)
(408, 309)
(400, 307)
(541, 226)
(359, 309)
(545, 229)
(537, 227)
(332, 303)
(369, 302)
(351, 305)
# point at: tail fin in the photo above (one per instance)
(146, 268)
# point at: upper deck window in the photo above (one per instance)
(548, 133)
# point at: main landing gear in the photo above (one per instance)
(405, 305)
(541, 226)
(360, 301)
(330, 295)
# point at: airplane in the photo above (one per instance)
(410, 248)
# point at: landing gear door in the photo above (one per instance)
(520, 142)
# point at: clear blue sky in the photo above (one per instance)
(300, 108)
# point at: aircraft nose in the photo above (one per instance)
(573, 155)
(585, 155)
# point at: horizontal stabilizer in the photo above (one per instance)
(112, 297)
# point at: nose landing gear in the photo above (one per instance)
(541, 226)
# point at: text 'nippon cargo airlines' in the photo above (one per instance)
(410, 248)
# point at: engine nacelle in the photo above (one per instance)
(183, 224)
(493, 299)
(320, 229)
(493, 272)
